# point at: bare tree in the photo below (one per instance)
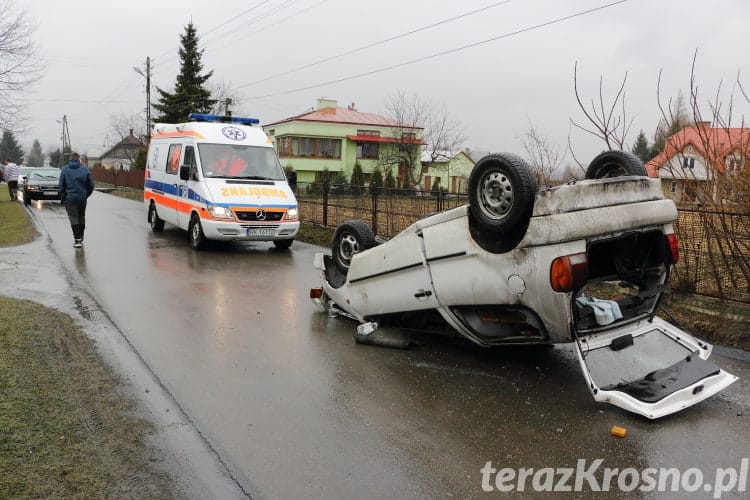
(421, 124)
(19, 65)
(606, 121)
(710, 160)
(122, 132)
(544, 157)
(225, 97)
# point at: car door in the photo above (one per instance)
(183, 188)
(649, 367)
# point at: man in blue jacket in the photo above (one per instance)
(76, 185)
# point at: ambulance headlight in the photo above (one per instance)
(220, 213)
(292, 214)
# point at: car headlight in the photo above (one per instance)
(30, 186)
(292, 214)
(220, 213)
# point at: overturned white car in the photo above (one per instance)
(585, 262)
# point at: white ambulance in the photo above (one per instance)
(218, 178)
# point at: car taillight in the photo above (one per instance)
(569, 272)
(674, 247)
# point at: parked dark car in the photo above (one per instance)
(40, 184)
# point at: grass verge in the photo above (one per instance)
(14, 221)
(66, 430)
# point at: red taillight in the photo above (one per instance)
(674, 247)
(316, 293)
(569, 272)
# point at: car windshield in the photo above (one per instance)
(47, 174)
(240, 162)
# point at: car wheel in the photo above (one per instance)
(615, 164)
(351, 237)
(501, 199)
(26, 198)
(283, 244)
(157, 224)
(197, 238)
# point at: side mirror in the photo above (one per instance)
(184, 172)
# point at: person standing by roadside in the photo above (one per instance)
(11, 177)
(76, 185)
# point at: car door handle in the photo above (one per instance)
(422, 294)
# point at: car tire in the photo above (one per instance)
(615, 164)
(501, 200)
(351, 237)
(283, 244)
(157, 224)
(195, 232)
(26, 199)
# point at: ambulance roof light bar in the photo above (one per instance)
(205, 117)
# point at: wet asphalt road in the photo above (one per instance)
(296, 409)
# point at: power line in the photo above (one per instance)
(375, 44)
(443, 53)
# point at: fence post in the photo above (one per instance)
(326, 184)
(374, 190)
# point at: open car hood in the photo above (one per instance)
(649, 367)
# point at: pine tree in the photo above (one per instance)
(9, 148)
(190, 94)
(36, 157)
(641, 149)
(390, 180)
(377, 177)
(358, 179)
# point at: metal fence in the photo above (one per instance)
(714, 246)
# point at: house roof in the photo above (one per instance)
(128, 142)
(441, 156)
(714, 144)
(344, 116)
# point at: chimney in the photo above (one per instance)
(324, 103)
(351, 107)
(131, 131)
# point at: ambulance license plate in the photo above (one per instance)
(260, 232)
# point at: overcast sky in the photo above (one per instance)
(495, 89)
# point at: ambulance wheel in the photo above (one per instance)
(615, 164)
(197, 238)
(283, 244)
(351, 237)
(157, 224)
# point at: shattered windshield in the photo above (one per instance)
(240, 162)
(52, 174)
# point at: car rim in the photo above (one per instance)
(348, 247)
(196, 232)
(496, 195)
(613, 171)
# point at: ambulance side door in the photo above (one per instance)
(184, 188)
(170, 185)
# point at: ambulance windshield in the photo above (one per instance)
(240, 162)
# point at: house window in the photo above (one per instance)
(688, 163)
(368, 151)
(271, 132)
(673, 186)
(373, 133)
(308, 147)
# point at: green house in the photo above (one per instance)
(448, 169)
(333, 138)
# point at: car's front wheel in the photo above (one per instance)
(195, 230)
(351, 237)
(283, 244)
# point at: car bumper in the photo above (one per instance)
(233, 231)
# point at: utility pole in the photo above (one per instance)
(147, 76)
(65, 140)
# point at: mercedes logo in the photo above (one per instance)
(260, 214)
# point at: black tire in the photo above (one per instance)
(26, 198)
(501, 195)
(283, 244)
(615, 164)
(195, 233)
(157, 224)
(351, 237)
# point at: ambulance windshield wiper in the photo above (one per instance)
(253, 177)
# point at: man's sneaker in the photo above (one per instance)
(78, 244)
